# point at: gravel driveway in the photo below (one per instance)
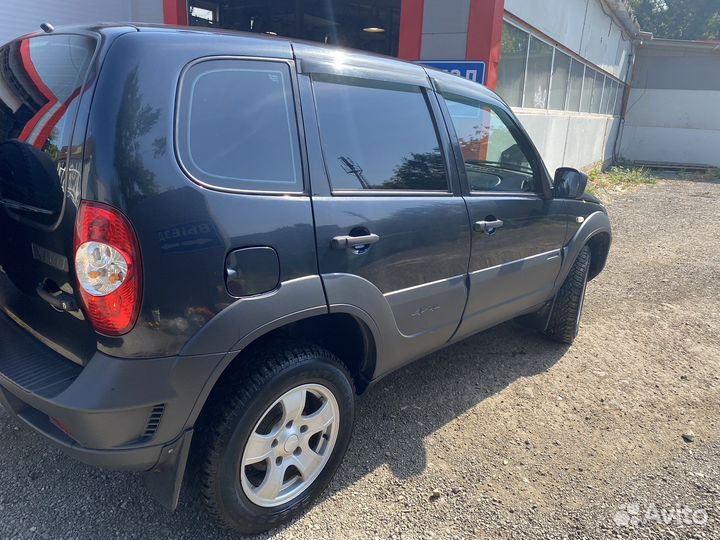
(504, 435)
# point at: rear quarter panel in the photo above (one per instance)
(184, 230)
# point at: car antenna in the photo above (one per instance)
(47, 28)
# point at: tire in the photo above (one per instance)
(241, 494)
(564, 321)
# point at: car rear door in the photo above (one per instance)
(393, 236)
(518, 228)
(44, 81)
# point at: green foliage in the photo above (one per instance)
(712, 29)
(419, 171)
(618, 178)
(679, 19)
(710, 175)
(596, 172)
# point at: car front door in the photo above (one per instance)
(392, 229)
(518, 229)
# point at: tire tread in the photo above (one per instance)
(239, 390)
(563, 324)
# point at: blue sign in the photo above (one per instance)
(468, 69)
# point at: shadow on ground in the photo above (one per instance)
(394, 416)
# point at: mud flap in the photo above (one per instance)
(538, 320)
(165, 479)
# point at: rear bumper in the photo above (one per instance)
(112, 413)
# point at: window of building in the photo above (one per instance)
(537, 82)
(535, 74)
(616, 96)
(511, 75)
(559, 84)
(619, 99)
(596, 93)
(596, 99)
(588, 88)
(203, 13)
(495, 158)
(237, 127)
(596, 104)
(577, 73)
(608, 98)
(378, 135)
(371, 25)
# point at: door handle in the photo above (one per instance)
(342, 242)
(58, 299)
(488, 226)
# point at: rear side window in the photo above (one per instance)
(237, 127)
(378, 136)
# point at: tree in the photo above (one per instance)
(135, 120)
(420, 170)
(679, 19)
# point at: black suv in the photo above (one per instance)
(211, 242)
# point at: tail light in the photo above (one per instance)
(108, 268)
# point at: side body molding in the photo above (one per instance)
(502, 292)
(247, 318)
(596, 223)
(395, 348)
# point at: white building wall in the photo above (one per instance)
(18, 17)
(147, 11)
(570, 139)
(587, 29)
(673, 114)
(444, 34)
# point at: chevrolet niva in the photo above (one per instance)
(213, 241)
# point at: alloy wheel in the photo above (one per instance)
(290, 445)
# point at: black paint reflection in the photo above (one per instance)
(135, 120)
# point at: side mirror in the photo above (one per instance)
(570, 183)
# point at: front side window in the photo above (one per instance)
(495, 157)
(378, 136)
(237, 127)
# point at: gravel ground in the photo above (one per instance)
(504, 435)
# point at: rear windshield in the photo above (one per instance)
(41, 79)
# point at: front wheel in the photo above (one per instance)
(279, 439)
(564, 322)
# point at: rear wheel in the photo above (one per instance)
(564, 322)
(278, 441)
